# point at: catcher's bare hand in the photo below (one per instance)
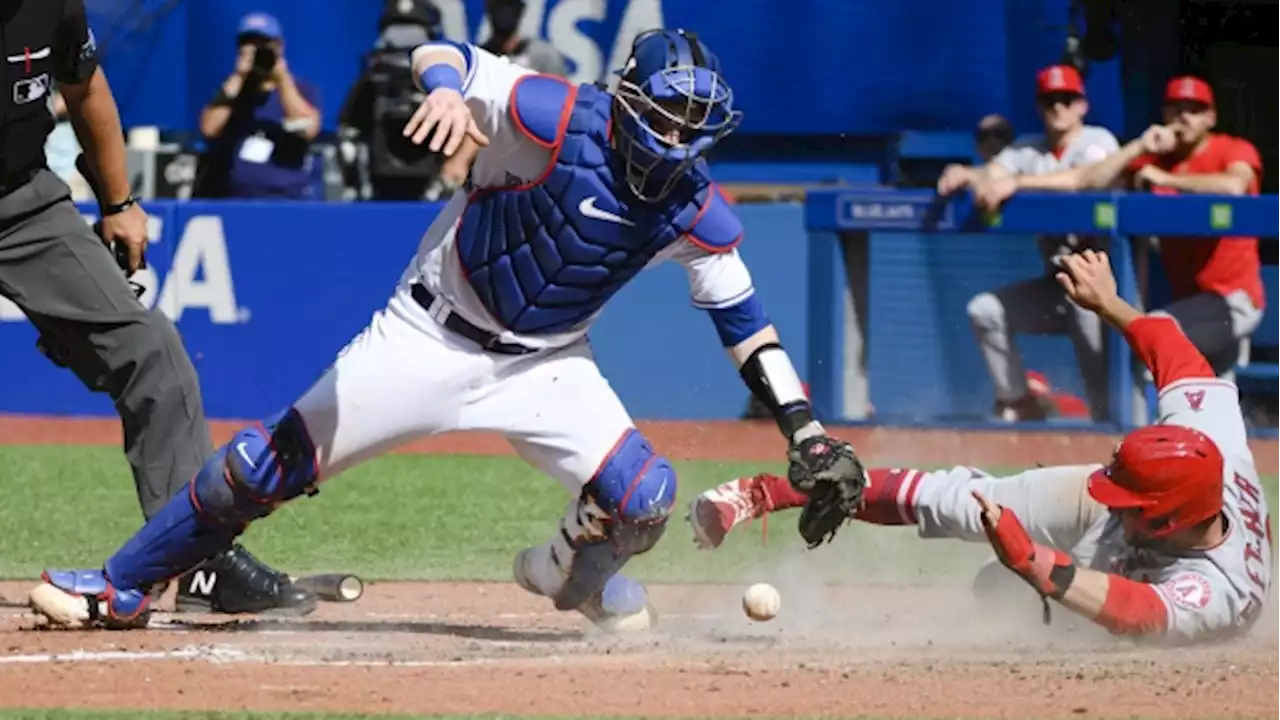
(446, 112)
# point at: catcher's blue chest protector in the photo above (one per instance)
(545, 256)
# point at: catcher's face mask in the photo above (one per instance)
(670, 108)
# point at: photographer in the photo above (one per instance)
(261, 123)
(378, 162)
(506, 41)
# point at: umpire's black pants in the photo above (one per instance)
(63, 277)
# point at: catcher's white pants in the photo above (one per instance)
(1053, 504)
(406, 376)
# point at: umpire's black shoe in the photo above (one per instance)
(237, 582)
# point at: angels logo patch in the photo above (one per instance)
(1189, 591)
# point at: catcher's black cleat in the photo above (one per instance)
(237, 582)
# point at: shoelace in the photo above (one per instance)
(757, 497)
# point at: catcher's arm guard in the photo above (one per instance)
(825, 469)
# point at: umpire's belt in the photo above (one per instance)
(455, 322)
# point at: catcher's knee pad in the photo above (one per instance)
(634, 485)
(263, 466)
(622, 512)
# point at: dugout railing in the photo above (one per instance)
(887, 267)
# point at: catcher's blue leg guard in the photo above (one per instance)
(262, 467)
(622, 512)
(84, 598)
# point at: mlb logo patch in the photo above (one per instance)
(90, 47)
(29, 90)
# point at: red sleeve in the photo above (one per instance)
(1243, 151)
(1166, 351)
(1132, 608)
(1140, 162)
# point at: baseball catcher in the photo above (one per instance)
(573, 190)
(1169, 541)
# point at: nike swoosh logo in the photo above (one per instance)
(588, 209)
(245, 454)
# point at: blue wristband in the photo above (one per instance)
(441, 75)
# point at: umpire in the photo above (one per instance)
(69, 284)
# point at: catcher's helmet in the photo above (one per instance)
(1172, 475)
(671, 107)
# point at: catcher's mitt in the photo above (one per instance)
(830, 474)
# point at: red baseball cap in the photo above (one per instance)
(1059, 79)
(1188, 87)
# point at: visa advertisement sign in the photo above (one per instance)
(265, 294)
(813, 67)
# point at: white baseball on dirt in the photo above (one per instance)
(761, 602)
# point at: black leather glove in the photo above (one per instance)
(828, 471)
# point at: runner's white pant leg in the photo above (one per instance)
(1052, 503)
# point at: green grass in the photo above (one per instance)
(430, 518)
(417, 517)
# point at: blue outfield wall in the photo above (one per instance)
(266, 294)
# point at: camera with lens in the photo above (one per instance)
(264, 58)
(385, 97)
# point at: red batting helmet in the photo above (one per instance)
(1172, 475)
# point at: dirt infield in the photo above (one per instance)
(436, 647)
(477, 647)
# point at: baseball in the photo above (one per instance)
(761, 602)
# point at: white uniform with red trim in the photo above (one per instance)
(407, 376)
(1035, 157)
(1220, 591)
(1207, 594)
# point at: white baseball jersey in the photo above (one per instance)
(1036, 157)
(1207, 594)
(1220, 591)
(716, 279)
